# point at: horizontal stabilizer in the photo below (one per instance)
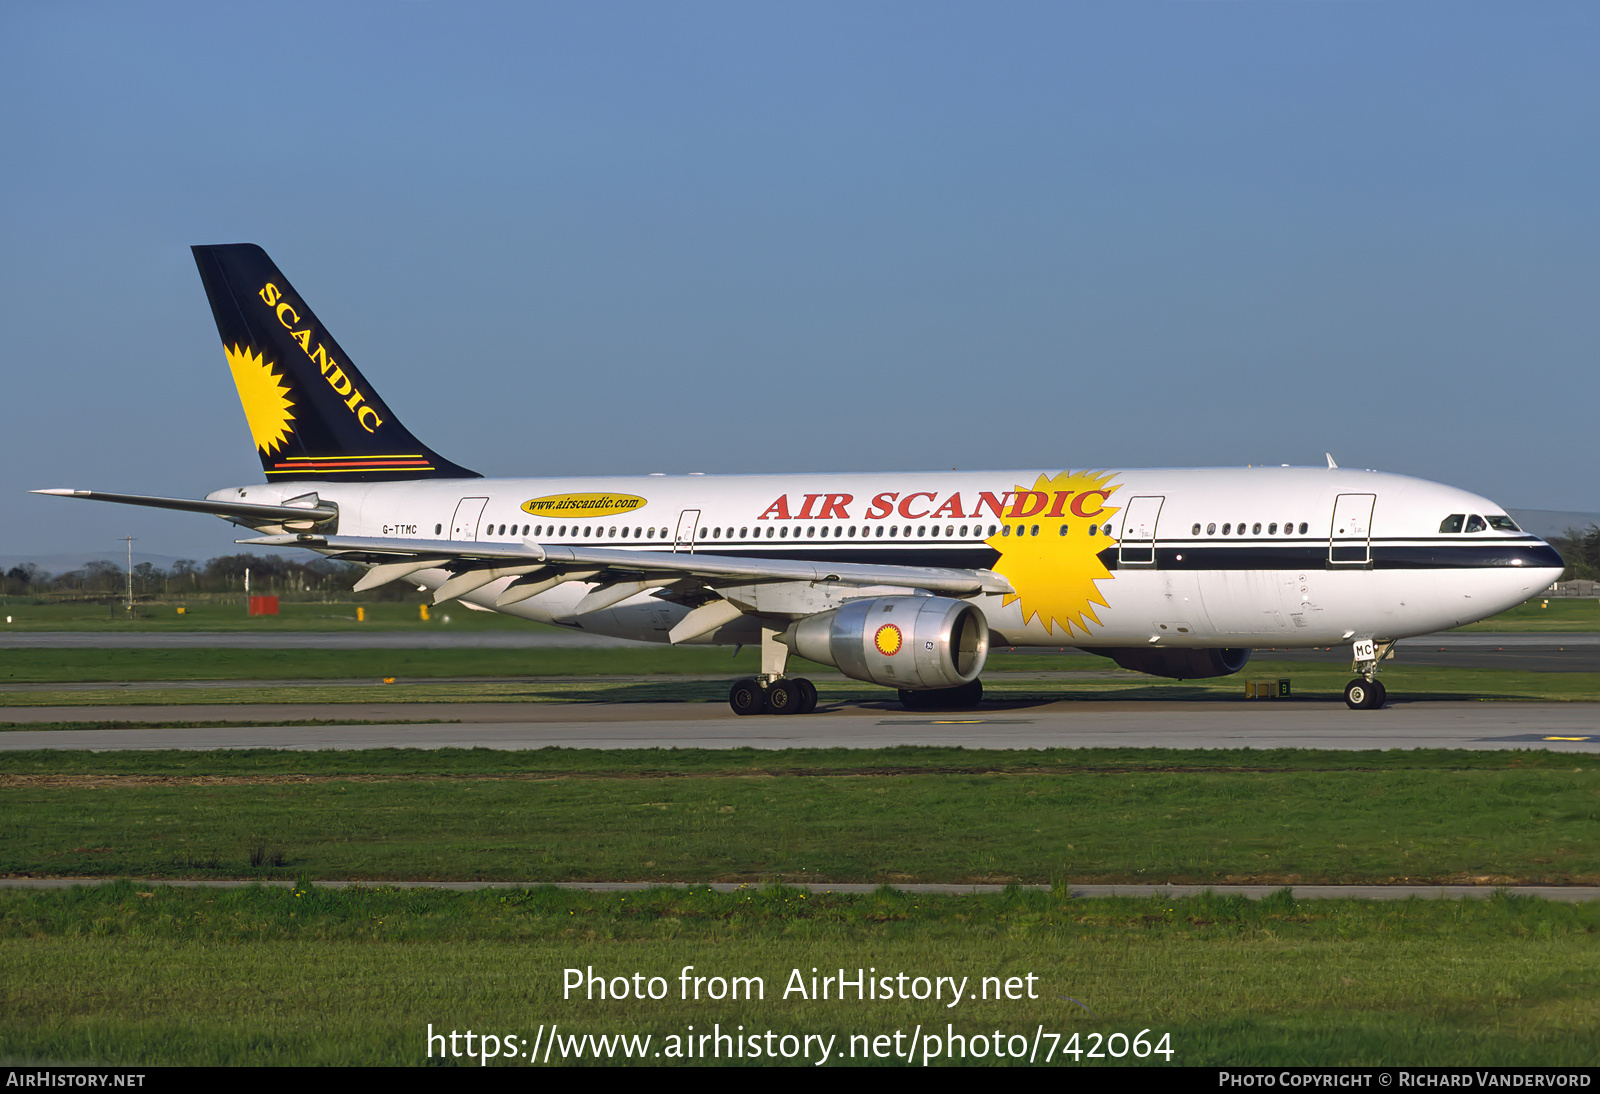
(227, 509)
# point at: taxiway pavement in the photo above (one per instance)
(1563, 727)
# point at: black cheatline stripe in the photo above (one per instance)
(1315, 556)
(1240, 556)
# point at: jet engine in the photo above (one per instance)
(1176, 663)
(911, 642)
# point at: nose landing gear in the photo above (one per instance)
(1365, 692)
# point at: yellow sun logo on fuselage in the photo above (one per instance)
(1049, 555)
(265, 397)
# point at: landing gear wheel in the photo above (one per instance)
(808, 695)
(746, 697)
(964, 697)
(783, 697)
(913, 700)
(1364, 695)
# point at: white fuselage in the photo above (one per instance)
(1255, 557)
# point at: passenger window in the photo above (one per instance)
(438, 529)
(1094, 529)
(1063, 530)
(1035, 530)
(811, 531)
(1475, 523)
(1255, 529)
(1211, 529)
(1006, 531)
(1227, 529)
(1272, 529)
(1452, 523)
(1195, 531)
(1302, 528)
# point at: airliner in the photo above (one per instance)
(901, 580)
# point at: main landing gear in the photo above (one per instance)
(1365, 692)
(964, 697)
(772, 692)
(781, 695)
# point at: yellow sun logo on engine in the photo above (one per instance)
(265, 397)
(1048, 554)
(887, 639)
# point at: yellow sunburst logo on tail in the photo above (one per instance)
(265, 398)
(1055, 573)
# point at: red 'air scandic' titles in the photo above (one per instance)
(951, 508)
(778, 510)
(1029, 503)
(1078, 503)
(882, 506)
(905, 504)
(833, 507)
(996, 505)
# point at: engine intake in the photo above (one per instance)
(912, 642)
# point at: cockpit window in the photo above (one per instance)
(1452, 523)
(1502, 523)
(1475, 523)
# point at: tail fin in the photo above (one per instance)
(311, 413)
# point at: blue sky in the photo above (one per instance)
(612, 238)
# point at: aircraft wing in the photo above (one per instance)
(476, 564)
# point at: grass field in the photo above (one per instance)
(135, 975)
(889, 815)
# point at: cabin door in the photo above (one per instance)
(464, 525)
(1350, 543)
(1137, 547)
(684, 539)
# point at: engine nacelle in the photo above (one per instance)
(1176, 663)
(912, 642)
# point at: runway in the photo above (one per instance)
(1562, 727)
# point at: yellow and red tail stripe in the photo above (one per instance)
(295, 465)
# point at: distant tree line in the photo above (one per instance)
(1581, 549)
(269, 574)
